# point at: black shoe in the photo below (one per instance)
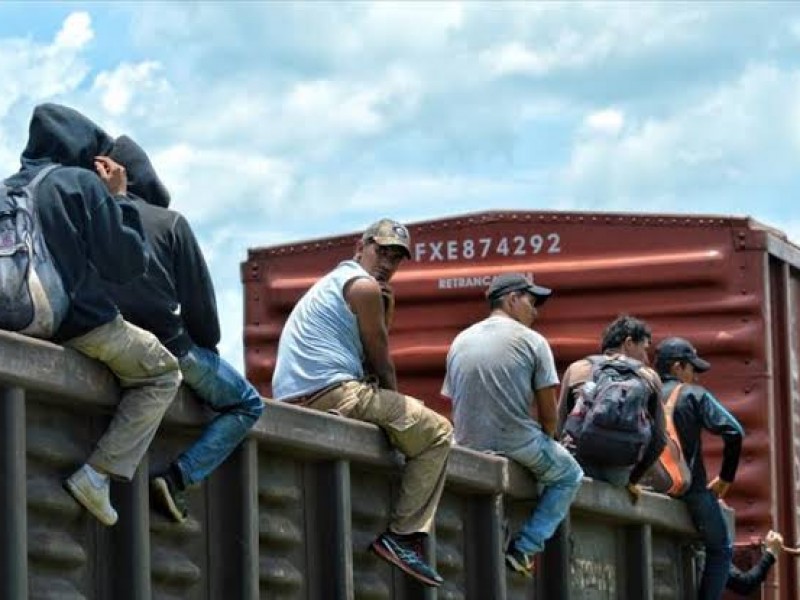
(402, 552)
(168, 497)
(519, 561)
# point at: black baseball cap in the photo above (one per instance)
(517, 282)
(676, 348)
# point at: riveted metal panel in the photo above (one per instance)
(179, 551)
(597, 564)
(282, 529)
(517, 586)
(452, 519)
(669, 576)
(61, 539)
(370, 505)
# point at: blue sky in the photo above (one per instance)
(273, 122)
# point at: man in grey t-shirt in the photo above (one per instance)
(495, 368)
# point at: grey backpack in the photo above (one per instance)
(609, 424)
(32, 297)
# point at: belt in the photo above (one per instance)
(307, 399)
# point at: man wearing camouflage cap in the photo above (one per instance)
(333, 354)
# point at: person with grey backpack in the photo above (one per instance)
(68, 194)
(610, 413)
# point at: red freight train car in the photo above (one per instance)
(729, 284)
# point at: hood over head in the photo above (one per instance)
(142, 178)
(63, 135)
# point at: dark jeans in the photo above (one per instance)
(707, 516)
(218, 385)
(619, 476)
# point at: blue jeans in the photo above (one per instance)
(218, 385)
(707, 517)
(559, 473)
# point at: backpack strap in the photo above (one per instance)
(30, 187)
(672, 400)
(33, 183)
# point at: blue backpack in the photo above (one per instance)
(609, 424)
(32, 297)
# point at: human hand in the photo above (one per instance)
(719, 487)
(773, 542)
(634, 491)
(112, 174)
(388, 303)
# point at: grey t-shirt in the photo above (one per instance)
(492, 369)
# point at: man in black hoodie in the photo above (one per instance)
(94, 235)
(175, 300)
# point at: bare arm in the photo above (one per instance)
(564, 397)
(546, 408)
(365, 300)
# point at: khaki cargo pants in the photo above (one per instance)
(149, 377)
(422, 435)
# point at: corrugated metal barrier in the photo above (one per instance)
(291, 513)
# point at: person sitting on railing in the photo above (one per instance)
(494, 369)
(620, 383)
(697, 410)
(333, 354)
(95, 235)
(175, 300)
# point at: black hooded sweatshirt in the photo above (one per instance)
(175, 299)
(91, 235)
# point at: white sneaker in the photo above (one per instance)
(93, 496)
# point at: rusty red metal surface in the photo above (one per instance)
(728, 284)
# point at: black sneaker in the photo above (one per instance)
(402, 552)
(168, 498)
(519, 561)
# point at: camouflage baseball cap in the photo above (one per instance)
(389, 233)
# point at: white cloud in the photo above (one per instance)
(229, 242)
(224, 249)
(550, 38)
(516, 58)
(401, 24)
(608, 121)
(410, 194)
(737, 132)
(117, 88)
(209, 183)
(37, 72)
(335, 108)
(76, 32)
(231, 317)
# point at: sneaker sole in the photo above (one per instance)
(379, 550)
(518, 567)
(164, 498)
(79, 496)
